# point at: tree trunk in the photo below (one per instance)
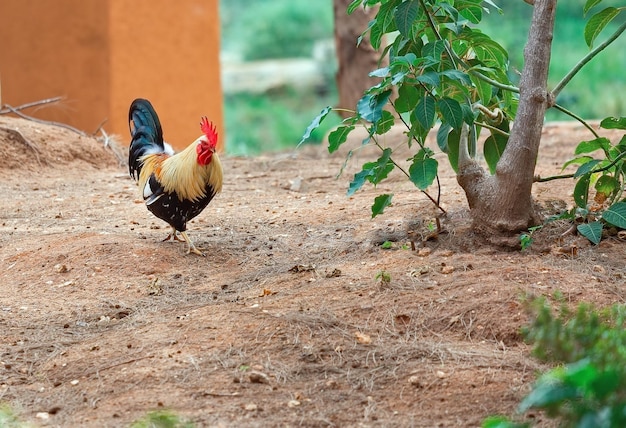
(354, 62)
(502, 203)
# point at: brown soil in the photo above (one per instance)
(285, 322)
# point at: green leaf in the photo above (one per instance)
(454, 139)
(550, 389)
(607, 185)
(472, 12)
(423, 171)
(501, 422)
(581, 191)
(380, 72)
(591, 231)
(374, 172)
(430, 78)
(370, 25)
(493, 149)
(616, 215)
(380, 203)
(370, 107)
(359, 180)
(385, 16)
(597, 22)
(483, 89)
(589, 5)
(586, 168)
(408, 96)
(488, 52)
(405, 16)
(425, 111)
(593, 145)
(433, 51)
(385, 123)
(338, 137)
(315, 124)
(451, 112)
(458, 76)
(376, 35)
(442, 136)
(577, 161)
(613, 123)
(353, 6)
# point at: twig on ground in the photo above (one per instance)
(110, 143)
(45, 122)
(99, 128)
(18, 135)
(9, 109)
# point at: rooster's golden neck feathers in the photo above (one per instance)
(183, 173)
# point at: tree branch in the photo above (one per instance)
(45, 122)
(10, 109)
(578, 118)
(559, 87)
(538, 179)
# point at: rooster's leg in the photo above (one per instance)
(192, 248)
(173, 236)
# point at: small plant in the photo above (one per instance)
(161, 419)
(387, 245)
(588, 389)
(8, 418)
(603, 177)
(383, 277)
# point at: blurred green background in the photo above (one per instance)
(298, 35)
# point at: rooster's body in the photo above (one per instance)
(175, 187)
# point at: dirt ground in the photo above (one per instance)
(285, 322)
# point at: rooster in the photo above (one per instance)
(175, 186)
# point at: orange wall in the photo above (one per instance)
(100, 55)
(56, 48)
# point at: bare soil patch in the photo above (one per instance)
(284, 322)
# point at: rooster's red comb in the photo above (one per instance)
(208, 129)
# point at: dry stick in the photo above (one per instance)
(29, 105)
(100, 127)
(45, 122)
(24, 141)
(111, 146)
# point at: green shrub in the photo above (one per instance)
(161, 419)
(588, 388)
(8, 418)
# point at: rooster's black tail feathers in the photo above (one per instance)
(146, 134)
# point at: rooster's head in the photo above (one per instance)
(208, 143)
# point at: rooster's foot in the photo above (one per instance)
(192, 248)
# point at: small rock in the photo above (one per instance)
(43, 415)
(363, 338)
(251, 407)
(414, 380)
(74, 382)
(60, 268)
(293, 403)
(424, 252)
(104, 319)
(258, 377)
(440, 374)
(598, 268)
(331, 384)
(447, 269)
(295, 185)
